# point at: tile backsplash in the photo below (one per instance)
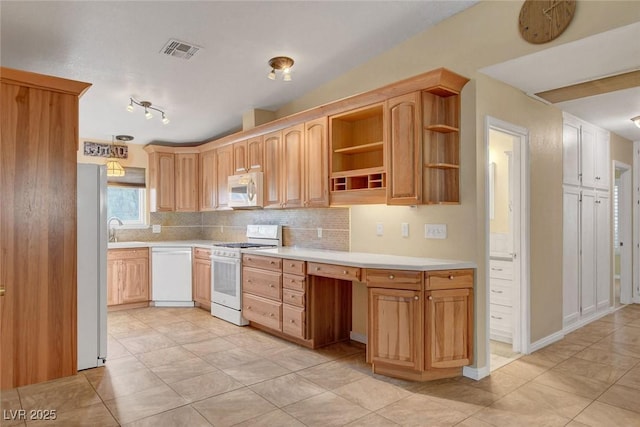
(299, 226)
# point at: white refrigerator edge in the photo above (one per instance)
(92, 265)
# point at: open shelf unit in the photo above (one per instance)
(357, 153)
(441, 136)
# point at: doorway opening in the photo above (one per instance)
(507, 242)
(622, 234)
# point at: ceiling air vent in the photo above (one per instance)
(179, 49)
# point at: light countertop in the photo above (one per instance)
(363, 259)
(167, 243)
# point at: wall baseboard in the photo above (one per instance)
(475, 373)
(358, 337)
(548, 340)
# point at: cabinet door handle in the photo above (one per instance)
(430, 298)
(496, 317)
(270, 285)
(317, 268)
(496, 292)
(248, 280)
(451, 277)
(345, 272)
(271, 315)
(292, 265)
(248, 307)
(416, 297)
(292, 321)
(391, 277)
(272, 262)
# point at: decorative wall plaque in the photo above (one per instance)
(98, 149)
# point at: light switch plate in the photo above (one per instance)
(435, 231)
(156, 228)
(404, 229)
(379, 229)
(319, 232)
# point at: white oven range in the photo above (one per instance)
(226, 271)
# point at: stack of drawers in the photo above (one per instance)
(294, 294)
(501, 300)
(274, 293)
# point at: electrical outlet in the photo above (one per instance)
(404, 229)
(156, 228)
(435, 231)
(319, 232)
(379, 229)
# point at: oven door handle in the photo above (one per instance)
(225, 260)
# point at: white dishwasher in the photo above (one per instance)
(171, 276)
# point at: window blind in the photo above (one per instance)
(133, 177)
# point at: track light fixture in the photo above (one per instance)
(147, 107)
(636, 121)
(281, 63)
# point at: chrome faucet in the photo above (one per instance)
(112, 230)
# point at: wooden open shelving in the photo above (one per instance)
(357, 155)
(441, 136)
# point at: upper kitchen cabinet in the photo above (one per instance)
(186, 181)
(208, 181)
(316, 163)
(161, 181)
(224, 165)
(404, 150)
(357, 156)
(441, 121)
(272, 174)
(173, 178)
(38, 277)
(293, 166)
(248, 155)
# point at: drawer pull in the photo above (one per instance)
(292, 296)
(272, 262)
(496, 317)
(391, 277)
(271, 314)
(417, 297)
(317, 268)
(270, 285)
(292, 265)
(345, 272)
(496, 292)
(496, 269)
(248, 307)
(430, 298)
(248, 280)
(292, 321)
(451, 277)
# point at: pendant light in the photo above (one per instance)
(114, 168)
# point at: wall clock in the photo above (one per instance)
(543, 20)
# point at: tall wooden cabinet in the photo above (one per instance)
(224, 168)
(38, 302)
(208, 181)
(316, 163)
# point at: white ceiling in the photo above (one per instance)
(605, 54)
(115, 46)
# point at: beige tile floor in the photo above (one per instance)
(501, 354)
(181, 367)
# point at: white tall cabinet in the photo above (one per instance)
(586, 224)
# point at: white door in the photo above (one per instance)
(588, 250)
(602, 261)
(587, 155)
(601, 160)
(571, 151)
(571, 255)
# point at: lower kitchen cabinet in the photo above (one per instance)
(202, 277)
(396, 332)
(128, 276)
(420, 330)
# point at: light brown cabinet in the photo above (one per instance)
(272, 170)
(294, 298)
(293, 166)
(186, 182)
(404, 150)
(420, 330)
(128, 276)
(161, 182)
(224, 165)
(262, 290)
(208, 182)
(202, 277)
(316, 163)
(248, 155)
(173, 178)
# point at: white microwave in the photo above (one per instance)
(245, 191)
